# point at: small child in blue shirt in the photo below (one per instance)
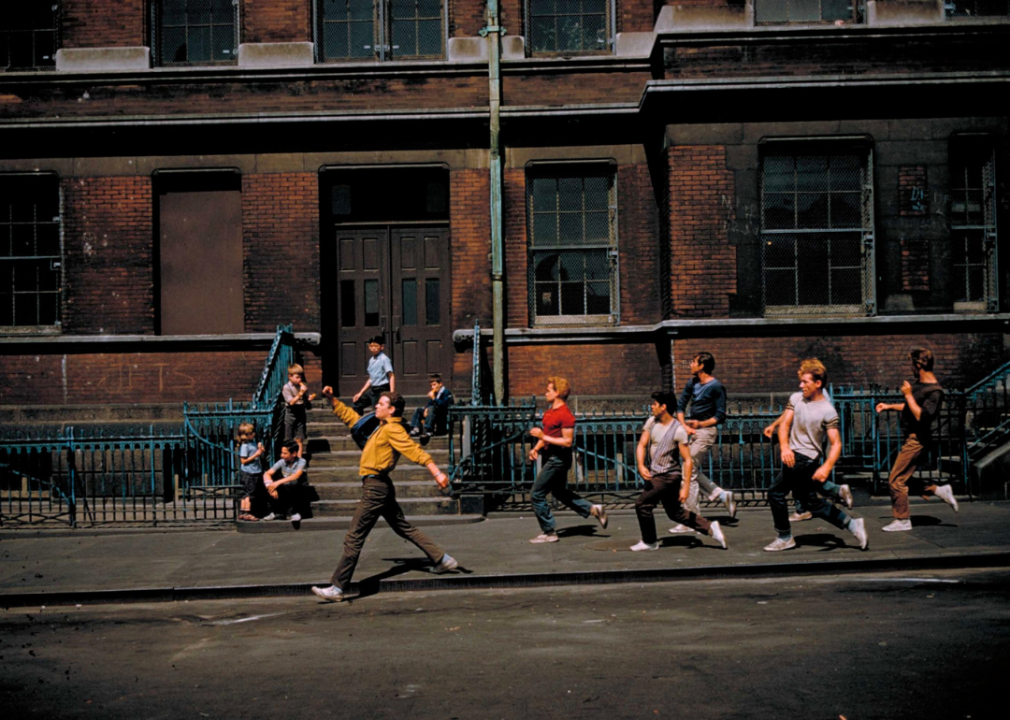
(250, 469)
(380, 377)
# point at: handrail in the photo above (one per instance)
(1001, 371)
(269, 379)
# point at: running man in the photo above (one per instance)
(707, 398)
(667, 442)
(808, 418)
(923, 399)
(554, 443)
(378, 496)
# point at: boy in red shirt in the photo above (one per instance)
(554, 442)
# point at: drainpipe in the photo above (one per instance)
(493, 33)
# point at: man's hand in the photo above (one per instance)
(906, 388)
(328, 391)
(443, 480)
(533, 454)
(685, 487)
(689, 429)
(770, 430)
(355, 398)
(788, 457)
(821, 474)
(881, 407)
(696, 424)
(645, 472)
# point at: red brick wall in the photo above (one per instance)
(280, 229)
(591, 369)
(635, 15)
(566, 87)
(466, 18)
(638, 239)
(129, 377)
(266, 21)
(104, 23)
(516, 285)
(703, 263)
(470, 245)
(108, 253)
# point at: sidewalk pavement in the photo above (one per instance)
(89, 566)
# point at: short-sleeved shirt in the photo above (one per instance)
(555, 420)
(811, 421)
(290, 392)
(245, 450)
(379, 367)
(929, 398)
(664, 445)
(707, 400)
(287, 470)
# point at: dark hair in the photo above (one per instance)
(923, 358)
(707, 361)
(377, 339)
(665, 397)
(396, 402)
(436, 377)
(291, 446)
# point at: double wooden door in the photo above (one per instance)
(394, 282)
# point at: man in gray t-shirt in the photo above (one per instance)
(809, 419)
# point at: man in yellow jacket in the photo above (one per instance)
(378, 497)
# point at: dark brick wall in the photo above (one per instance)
(280, 229)
(591, 369)
(108, 255)
(638, 237)
(265, 21)
(104, 23)
(703, 263)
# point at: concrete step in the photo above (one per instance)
(409, 473)
(441, 505)
(351, 490)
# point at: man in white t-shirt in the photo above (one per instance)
(809, 418)
(669, 464)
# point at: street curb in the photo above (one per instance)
(464, 581)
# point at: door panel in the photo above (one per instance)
(395, 282)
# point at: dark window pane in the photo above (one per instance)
(546, 267)
(598, 298)
(545, 195)
(432, 302)
(597, 193)
(546, 299)
(779, 212)
(49, 276)
(6, 304)
(48, 309)
(545, 229)
(836, 9)
(429, 38)
(542, 35)
(173, 45)
(572, 266)
(199, 48)
(26, 276)
(223, 42)
(846, 287)
(771, 11)
(23, 240)
(371, 303)
(570, 229)
(348, 314)
(361, 41)
(570, 194)
(804, 10)
(812, 174)
(47, 240)
(845, 211)
(408, 289)
(26, 310)
(573, 298)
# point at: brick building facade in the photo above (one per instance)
(764, 180)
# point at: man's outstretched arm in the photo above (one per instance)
(346, 414)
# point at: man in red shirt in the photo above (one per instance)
(554, 443)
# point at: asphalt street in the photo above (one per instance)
(870, 645)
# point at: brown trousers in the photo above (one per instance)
(378, 499)
(904, 467)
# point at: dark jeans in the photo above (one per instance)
(553, 478)
(290, 499)
(378, 499)
(368, 398)
(799, 480)
(665, 489)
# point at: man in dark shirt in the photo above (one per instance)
(707, 399)
(923, 399)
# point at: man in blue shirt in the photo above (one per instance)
(707, 399)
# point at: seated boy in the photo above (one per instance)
(286, 491)
(433, 418)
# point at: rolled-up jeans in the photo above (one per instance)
(553, 478)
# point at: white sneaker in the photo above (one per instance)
(800, 517)
(271, 516)
(679, 529)
(600, 513)
(858, 528)
(295, 518)
(779, 545)
(446, 564)
(545, 538)
(716, 532)
(642, 545)
(898, 526)
(730, 502)
(845, 493)
(947, 495)
(329, 594)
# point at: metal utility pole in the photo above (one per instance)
(493, 33)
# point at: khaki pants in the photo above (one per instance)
(904, 467)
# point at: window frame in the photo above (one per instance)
(382, 33)
(857, 15)
(56, 327)
(983, 148)
(862, 149)
(157, 32)
(35, 31)
(556, 170)
(610, 19)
